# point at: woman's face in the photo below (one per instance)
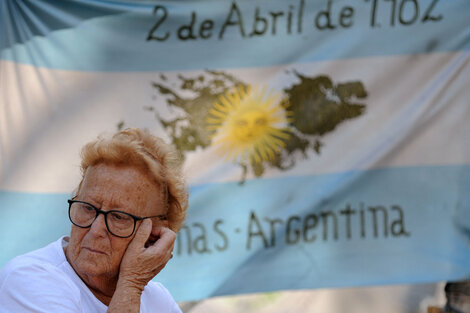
(94, 252)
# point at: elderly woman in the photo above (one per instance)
(125, 212)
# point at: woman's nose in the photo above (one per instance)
(99, 225)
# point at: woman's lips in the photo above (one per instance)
(93, 250)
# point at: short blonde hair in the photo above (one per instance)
(139, 148)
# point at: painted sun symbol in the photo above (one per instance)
(249, 125)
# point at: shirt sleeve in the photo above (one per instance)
(157, 296)
(38, 288)
(174, 308)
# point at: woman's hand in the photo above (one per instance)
(144, 259)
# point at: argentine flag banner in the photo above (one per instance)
(325, 142)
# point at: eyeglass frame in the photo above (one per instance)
(136, 218)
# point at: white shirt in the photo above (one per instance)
(43, 281)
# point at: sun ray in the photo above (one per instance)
(262, 151)
(272, 145)
(278, 133)
(222, 108)
(217, 113)
(271, 154)
(226, 102)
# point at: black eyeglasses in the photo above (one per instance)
(118, 223)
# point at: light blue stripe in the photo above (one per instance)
(434, 199)
(118, 42)
(30, 220)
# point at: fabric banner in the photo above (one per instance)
(325, 143)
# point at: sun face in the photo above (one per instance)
(249, 125)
